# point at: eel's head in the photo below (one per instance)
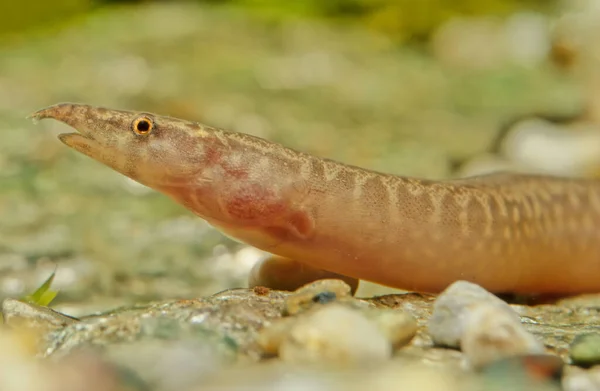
(154, 150)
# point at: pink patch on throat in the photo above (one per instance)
(254, 202)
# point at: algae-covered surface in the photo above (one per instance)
(331, 90)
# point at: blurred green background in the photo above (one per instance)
(408, 87)
(401, 20)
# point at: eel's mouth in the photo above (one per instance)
(71, 139)
(73, 115)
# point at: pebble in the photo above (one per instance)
(539, 372)
(398, 326)
(164, 365)
(335, 334)
(17, 311)
(585, 349)
(582, 380)
(315, 293)
(320, 320)
(544, 147)
(22, 371)
(451, 311)
(273, 376)
(394, 375)
(413, 376)
(492, 333)
(37, 320)
(487, 329)
(272, 336)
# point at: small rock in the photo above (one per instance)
(22, 314)
(272, 336)
(399, 375)
(318, 292)
(545, 147)
(582, 380)
(22, 371)
(393, 375)
(167, 365)
(450, 311)
(492, 333)
(19, 370)
(37, 320)
(335, 334)
(399, 327)
(539, 372)
(85, 370)
(272, 375)
(585, 349)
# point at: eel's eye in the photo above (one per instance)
(142, 126)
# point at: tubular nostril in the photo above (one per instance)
(64, 112)
(55, 111)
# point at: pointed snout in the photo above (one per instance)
(69, 113)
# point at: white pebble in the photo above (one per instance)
(451, 310)
(491, 333)
(582, 380)
(335, 334)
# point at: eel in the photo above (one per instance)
(507, 232)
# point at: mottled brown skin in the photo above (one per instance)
(506, 232)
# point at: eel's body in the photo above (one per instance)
(506, 232)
